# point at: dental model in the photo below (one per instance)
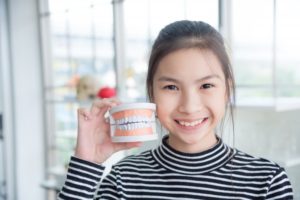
(133, 122)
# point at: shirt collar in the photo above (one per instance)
(192, 163)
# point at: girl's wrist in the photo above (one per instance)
(87, 157)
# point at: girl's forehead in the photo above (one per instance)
(190, 63)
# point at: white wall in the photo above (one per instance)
(27, 98)
(273, 135)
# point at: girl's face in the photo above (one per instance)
(190, 92)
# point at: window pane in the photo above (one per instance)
(287, 47)
(203, 10)
(56, 6)
(252, 43)
(81, 40)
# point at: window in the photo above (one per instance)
(252, 45)
(287, 50)
(80, 43)
(264, 48)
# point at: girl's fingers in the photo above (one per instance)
(83, 114)
(100, 107)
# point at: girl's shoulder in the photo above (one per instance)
(144, 158)
(243, 159)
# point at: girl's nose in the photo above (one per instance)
(190, 103)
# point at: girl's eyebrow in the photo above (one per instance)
(170, 79)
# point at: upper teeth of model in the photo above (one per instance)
(134, 119)
(194, 123)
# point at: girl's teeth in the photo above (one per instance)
(194, 123)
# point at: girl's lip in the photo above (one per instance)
(191, 127)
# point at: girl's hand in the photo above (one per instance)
(93, 140)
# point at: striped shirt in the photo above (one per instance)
(164, 173)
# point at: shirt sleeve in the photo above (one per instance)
(110, 185)
(280, 187)
(82, 180)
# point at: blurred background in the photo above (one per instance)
(58, 55)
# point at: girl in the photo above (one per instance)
(190, 80)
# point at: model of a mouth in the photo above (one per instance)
(133, 122)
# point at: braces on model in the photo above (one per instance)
(133, 122)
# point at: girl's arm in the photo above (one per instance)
(83, 178)
(280, 187)
(93, 147)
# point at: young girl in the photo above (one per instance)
(190, 80)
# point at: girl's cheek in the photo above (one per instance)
(163, 103)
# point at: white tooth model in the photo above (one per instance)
(132, 122)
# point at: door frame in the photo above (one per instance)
(8, 111)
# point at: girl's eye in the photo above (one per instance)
(207, 86)
(170, 87)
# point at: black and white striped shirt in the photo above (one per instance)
(164, 173)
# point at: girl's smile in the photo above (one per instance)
(190, 92)
(190, 125)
